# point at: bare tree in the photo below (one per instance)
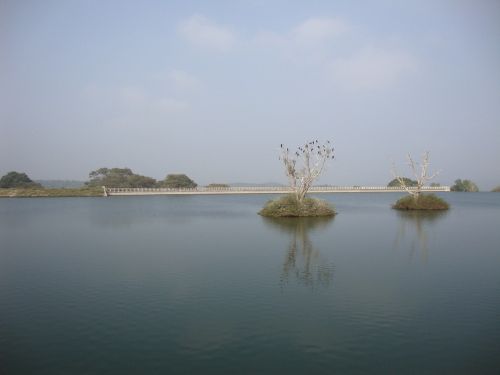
(422, 177)
(313, 157)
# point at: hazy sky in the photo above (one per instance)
(212, 88)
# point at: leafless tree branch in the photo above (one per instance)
(422, 177)
(313, 157)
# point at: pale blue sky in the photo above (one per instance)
(212, 88)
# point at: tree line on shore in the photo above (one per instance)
(109, 177)
(459, 185)
(125, 178)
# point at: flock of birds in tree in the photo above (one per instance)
(314, 146)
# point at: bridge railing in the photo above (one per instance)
(111, 190)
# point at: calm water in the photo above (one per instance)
(173, 285)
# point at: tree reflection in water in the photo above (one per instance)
(419, 221)
(302, 261)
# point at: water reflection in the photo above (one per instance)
(418, 222)
(302, 261)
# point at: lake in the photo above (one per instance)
(202, 284)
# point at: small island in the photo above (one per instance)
(421, 202)
(290, 206)
(314, 157)
(416, 200)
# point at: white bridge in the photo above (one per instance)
(261, 190)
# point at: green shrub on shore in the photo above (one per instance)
(119, 177)
(40, 192)
(289, 206)
(423, 202)
(13, 180)
(177, 181)
(496, 190)
(464, 185)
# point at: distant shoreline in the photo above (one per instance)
(50, 192)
